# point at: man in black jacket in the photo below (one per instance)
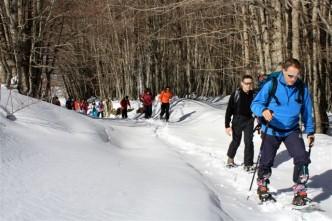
(239, 107)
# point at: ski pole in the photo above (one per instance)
(310, 146)
(259, 157)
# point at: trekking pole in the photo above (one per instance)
(310, 146)
(259, 157)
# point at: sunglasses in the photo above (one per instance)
(292, 76)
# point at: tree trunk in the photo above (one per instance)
(316, 75)
(266, 41)
(276, 33)
(296, 29)
(258, 39)
(245, 39)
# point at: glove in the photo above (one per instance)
(258, 128)
(311, 139)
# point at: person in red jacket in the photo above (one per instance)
(146, 99)
(124, 106)
(165, 97)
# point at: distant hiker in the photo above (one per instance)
(100, 109)
(94, 112)
(55, 101)
(124, 106)
(242, 121)
(147, 99)
(280, 113)
(165, 98)
(77, 105)
(69, 103)
(108, 106)
(84, 106)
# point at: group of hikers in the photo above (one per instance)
(279, 102)
(104, 108)
(165, 97)
(96, 108)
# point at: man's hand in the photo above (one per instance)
(268, 115)
(229, 131)
(311, 140)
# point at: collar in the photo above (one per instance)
(241, 90)
(282, 78)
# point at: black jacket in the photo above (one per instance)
(239, 104)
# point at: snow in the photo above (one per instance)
(60, 165)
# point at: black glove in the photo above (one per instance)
(258, 128)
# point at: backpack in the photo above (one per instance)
(299, 84)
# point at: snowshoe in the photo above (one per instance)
(264, 195)
(231, 165)
(249, 169)
(301, 199)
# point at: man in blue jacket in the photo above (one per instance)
(281, 113)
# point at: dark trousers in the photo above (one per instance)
(124, 113)
(164, 109)
(101, 114)
(148, 111)
(242, 124)
(296, 149)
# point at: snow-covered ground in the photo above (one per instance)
(59, 165)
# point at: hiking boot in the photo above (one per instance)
(300, 198)
(230, 163)
(262, 189)
(300, 195)
(249, 169)
(264, 195)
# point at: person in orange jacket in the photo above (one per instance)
(165, 97)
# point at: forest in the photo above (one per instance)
(112, 48)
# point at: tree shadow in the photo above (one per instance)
(281, 157)
(182, 118)
(285, 190)
(322, 181)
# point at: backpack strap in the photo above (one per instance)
(236, 101)
(236, 95)
(272, 91)
(300, 86)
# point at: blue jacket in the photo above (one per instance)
(286, 115)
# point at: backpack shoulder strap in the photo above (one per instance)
(272, 91)
(236, 101)
(300, 86)
(236, 95)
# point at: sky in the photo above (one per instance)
(59, 165)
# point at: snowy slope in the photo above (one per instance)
(60, 165)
